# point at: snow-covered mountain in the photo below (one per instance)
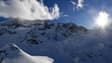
(36, 32)
(63, 42)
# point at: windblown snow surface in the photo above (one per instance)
(63, 42)
(13, 54)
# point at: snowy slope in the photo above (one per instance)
(13, 54)
(64, 42)
(38, 37)
(35, 32)
(91, 47)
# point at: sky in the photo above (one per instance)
(84, 15)
(80, 12)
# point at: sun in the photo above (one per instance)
(102, 19)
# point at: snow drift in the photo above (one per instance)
(13, 54)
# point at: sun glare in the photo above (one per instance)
(102, 19)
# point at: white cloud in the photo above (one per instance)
(80, 4)
(28, 9)
(65, 15)
(74, 4)
(55, 11)
(62, 14)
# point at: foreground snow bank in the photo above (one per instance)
(13, 54)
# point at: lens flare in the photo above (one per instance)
(102, 19)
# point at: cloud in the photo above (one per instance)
(74, 4)
(28, 9)
(62, 14)
(65, 15)
(80, 4)
(55, 11)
